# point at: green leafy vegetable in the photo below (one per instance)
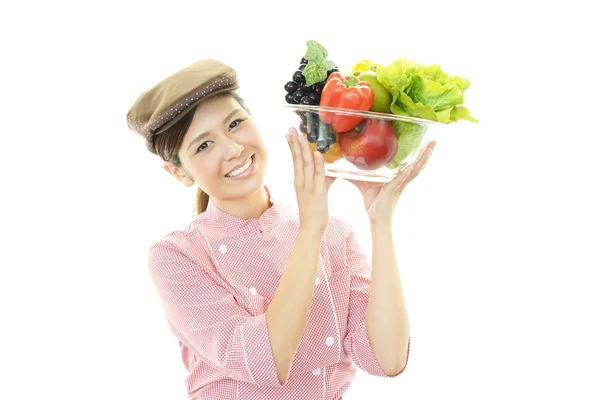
(318, 64)
(314, 72)
(315, 51)
(410, 138)
(424, 91)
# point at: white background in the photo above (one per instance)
(497, 240)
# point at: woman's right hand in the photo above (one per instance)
(310, 183)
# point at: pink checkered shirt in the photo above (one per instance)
(216, 279)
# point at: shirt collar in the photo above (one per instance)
(222, 221)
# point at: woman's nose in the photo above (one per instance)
(232, 149)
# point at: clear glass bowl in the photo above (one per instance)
(367, 146)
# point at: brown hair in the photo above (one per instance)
(167, 145)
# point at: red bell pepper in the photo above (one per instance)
(347, 92)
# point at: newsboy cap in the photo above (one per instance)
(160, 107)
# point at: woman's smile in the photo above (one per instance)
(244, 171)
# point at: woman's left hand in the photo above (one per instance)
(381, 199)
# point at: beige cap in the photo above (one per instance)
(160, 107)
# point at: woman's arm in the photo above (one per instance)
(386, 316)
(288, 312)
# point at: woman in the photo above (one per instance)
(267, 302)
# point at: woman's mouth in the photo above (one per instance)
(244, 170)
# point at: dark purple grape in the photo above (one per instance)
(290, 99)
(298, 95)
(319, 86)
(305, 89)
(302, 127)
(303, 116)
(304, 61)
(313, 99)
(291, 87)
(298, 77)
(305, 101)
(301, 67)
(312, 136)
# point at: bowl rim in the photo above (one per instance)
(369, 114)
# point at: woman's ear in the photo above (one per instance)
(178, 173)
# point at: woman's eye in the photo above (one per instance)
(235, 123)
(202, 147)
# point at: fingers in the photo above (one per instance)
(399, 181)
(420, 164)
(319, 166)
(308, 167)
(307, 161)
(292, 138)
(410, 172)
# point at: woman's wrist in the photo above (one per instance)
(381, 229)
(381, 225)
(311, 232)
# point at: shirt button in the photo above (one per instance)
(223, 249)
(316, 372)
(329, 341)
(317, 281)
(253, 291)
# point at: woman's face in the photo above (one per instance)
(222, 151)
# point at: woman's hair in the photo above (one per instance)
(167, 145)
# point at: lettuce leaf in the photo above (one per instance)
(422, 91)
(410, 139)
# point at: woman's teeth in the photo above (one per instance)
(240, 169)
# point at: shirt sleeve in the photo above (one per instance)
(209, 319)
(356, 342)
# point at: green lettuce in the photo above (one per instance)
(410, 139)
(422, 91)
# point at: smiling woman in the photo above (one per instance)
(168, 143)
(241, 284)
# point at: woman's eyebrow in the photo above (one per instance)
(202, 135)
(196, 139)
(231, 114)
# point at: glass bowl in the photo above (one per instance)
(362, 145)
